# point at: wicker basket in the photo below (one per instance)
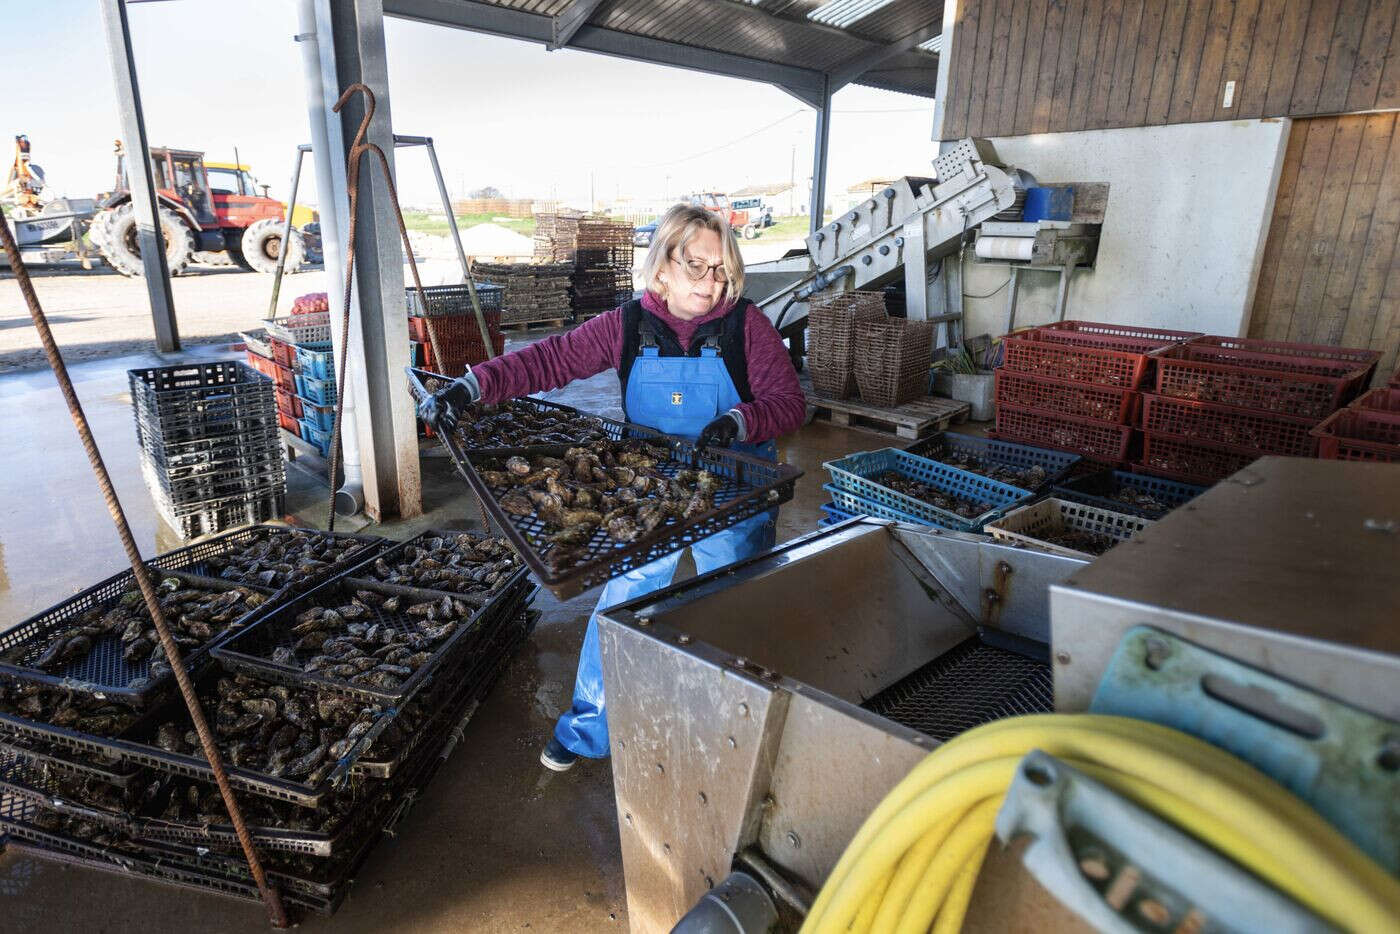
(892, 360)
(1027, 525)
(832, 339)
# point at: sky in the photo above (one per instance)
(215, 75)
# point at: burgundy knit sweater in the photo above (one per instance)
(778, 406)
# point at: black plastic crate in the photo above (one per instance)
(395, 554)
(748, 486)
(178, 403)
(253, 649)
(420, 383)
(230, 515)
(472, 677)
(453, 300)
(33, 782)
(158, 862)
(201, 558)
(373, 799)
(179, 458)
(1103, 489)
(194, 490)
(102, 671)
(80, 765)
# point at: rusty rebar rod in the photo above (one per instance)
(143, 578)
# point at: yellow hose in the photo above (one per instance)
(914, 862)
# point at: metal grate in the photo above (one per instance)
(970, 684)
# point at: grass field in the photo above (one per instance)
(437, 224)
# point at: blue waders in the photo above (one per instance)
(679, 396)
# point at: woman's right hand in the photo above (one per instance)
(444, 407)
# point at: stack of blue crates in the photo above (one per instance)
(855, 490)
(315, 381)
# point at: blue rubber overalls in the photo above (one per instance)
(678, 395)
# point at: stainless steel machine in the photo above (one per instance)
(912, 232)
(759, 713)
(764, 710)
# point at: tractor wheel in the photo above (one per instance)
(750, 232)
(221, 258)
(119, 245)
(262, 241)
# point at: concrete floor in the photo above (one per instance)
(497, 843)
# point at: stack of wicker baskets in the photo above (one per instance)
(833, 322)
(892, 360)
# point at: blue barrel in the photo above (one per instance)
(1048, 204)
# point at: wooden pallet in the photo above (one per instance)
(910, 421)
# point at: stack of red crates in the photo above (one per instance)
(282, 374)
(1222, 402)
(1075, 386)
(1366, 430)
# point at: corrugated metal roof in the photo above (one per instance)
(776, 31)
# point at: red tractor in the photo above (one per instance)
(739, 221)
(228, 223)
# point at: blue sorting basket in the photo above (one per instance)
(1098, 489)
(322, 416)
(1056, 464)
(834, 515)
(855, 472)
(316, 437)
(855, 505)
(316, 391)
(316, 360)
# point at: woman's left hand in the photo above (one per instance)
(720, 433)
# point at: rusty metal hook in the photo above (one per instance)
(365, 120)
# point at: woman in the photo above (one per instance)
(694, 359)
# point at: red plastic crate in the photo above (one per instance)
(1266, 433)
(1382, 400)
(1097, 440)
(459, 339)
(1360, 435)
(1302, 386)
(288, 403)
(1077, 358)
(1192, 461)
(287, 422)
(1082, 400)
(1125, 337)
(283, 353)
(1247, 351)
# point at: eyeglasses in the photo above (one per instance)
(696, 270)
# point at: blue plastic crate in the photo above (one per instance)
(322, 416)
(834, 515)
(316, 360)
(856, 505)
(853, 474)
(316, 437)
(1098, 489)
(1056, 464)
(316, 391)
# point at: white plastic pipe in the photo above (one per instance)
(1017, 248)
(331, 194)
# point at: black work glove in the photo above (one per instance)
(720, 433)
(444, 407)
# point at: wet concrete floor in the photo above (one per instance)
(496, 843)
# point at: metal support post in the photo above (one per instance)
(138, 171)
(388, 425)
(302, 150)
(427, 143)
(820, 147)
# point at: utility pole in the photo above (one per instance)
(592, 198)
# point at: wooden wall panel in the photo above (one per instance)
(1038, 66)
(1331, 271)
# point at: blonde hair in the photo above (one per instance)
(678, 227)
